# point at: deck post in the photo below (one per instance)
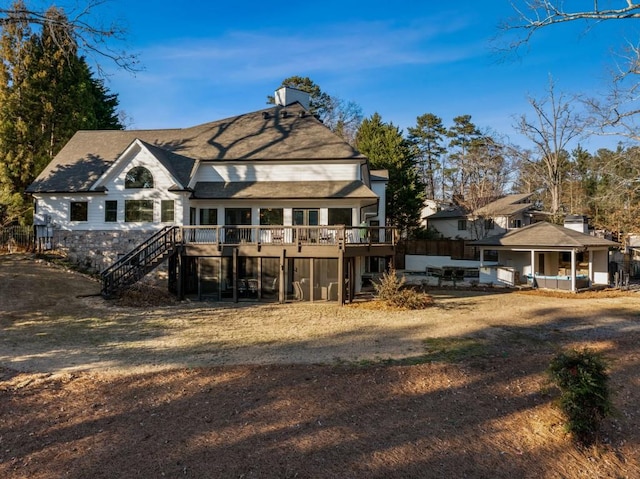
(282, 297)
(341, 277)
(180, 274)
(235, 274)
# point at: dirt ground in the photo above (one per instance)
(90, 388)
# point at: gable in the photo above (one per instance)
(137, 155)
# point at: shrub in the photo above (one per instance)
(584, 392)
(392, 289)
(389, 285)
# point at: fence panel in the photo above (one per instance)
(13, 238)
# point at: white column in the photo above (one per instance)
(573, 270)
(533, 263)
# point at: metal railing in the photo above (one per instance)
(139, 261)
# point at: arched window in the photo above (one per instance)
(138, 177)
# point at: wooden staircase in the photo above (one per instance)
(141, 260)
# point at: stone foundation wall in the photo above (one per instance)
(95, 250)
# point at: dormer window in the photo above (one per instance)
(138, 177)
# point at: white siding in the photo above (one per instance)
(380, 188)
(230, 172)
(57, 206)
(448, 228)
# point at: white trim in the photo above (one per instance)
(130, 152)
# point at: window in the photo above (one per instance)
(138, 210)
(462, 225)
(489, 224)
(237, 216)
(138, 177)
(110, 211)
(306, 217)
(517, 223)
(340, 216)
(166, 211)
(208, 216)
(79, 210)
(271, 216)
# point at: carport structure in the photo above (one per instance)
(552, 256)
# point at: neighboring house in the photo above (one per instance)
(548, 256)
(507, 213)
(430, 207)
(266, 205)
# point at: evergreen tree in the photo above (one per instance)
(16, 115)
(386, 148)
(427, 136)
(47, 93)
(463, 133)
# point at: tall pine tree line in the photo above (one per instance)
(47, 93)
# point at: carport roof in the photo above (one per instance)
(545, 235)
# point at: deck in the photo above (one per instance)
(303, 241)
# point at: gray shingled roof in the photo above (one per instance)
(276, 133)
(454, 212)
(179, 166)
(283, 190)
(544, 235)
(505, 206)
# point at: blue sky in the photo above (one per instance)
(204, 61)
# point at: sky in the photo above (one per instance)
(208, 60)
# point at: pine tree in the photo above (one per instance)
(428, 135)
(386, 148)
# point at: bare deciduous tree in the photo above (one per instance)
(617, 113)
(81, 28)
(554, 127)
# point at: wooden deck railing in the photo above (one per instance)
(299, 235)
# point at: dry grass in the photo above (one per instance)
(97, 389)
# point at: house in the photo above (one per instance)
(494, 218)
(268, 205)
(548, 256)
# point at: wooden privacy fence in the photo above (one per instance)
(455, 248)
(13, 238)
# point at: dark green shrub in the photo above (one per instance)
(582, 379)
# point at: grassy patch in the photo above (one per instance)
(446, 350)
(455, 349)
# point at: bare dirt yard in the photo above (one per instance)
(97, 389)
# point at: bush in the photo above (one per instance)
(584, 392)
(391, 289)
(389, 285)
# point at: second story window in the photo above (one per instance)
(462, 225)
(489, 224)
(138, 177)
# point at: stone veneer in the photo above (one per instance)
(95, 250)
